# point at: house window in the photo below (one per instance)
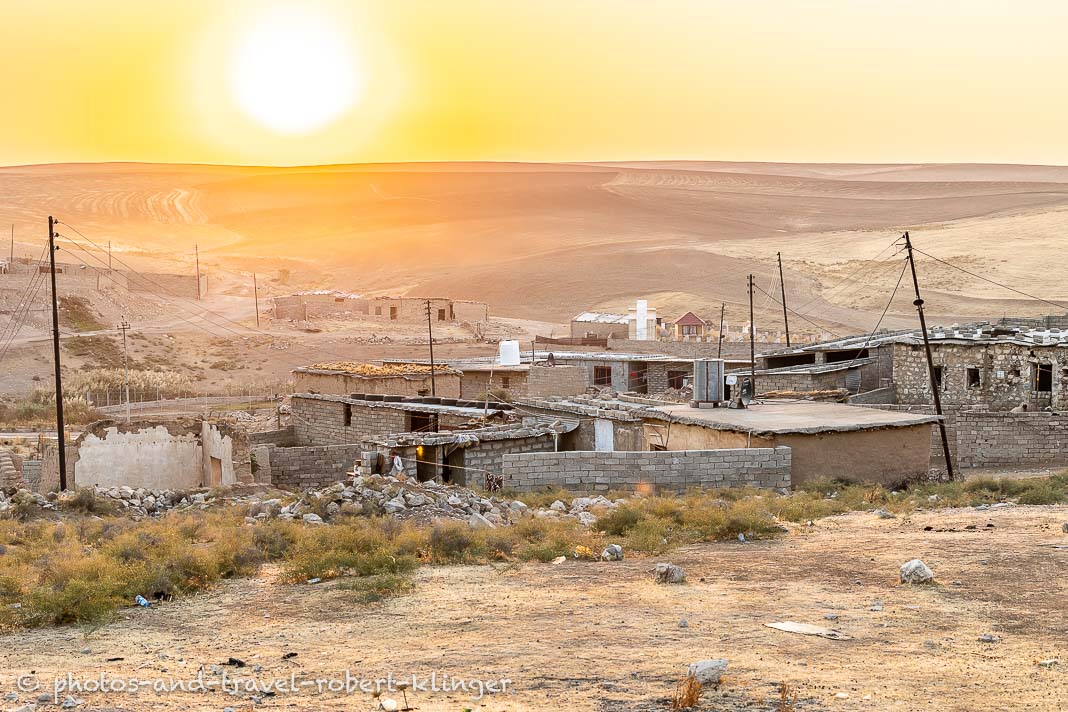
(676, 379)
(1044, 377)
(441, 315)
(689, 330)
(506, 382)
(602, 375)
(975, 379)
(348, 415)
(657, 447)
(378, 311)
(393, 313)
(938, 377)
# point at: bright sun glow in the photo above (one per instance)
(293, 72)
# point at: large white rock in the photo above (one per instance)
(916, 571)
(708, 672)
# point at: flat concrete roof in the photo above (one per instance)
(403, 405)
(783, 417)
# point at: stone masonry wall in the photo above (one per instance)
(1011, 439)
(674, 471)
(311, 467)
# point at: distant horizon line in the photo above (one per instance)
(609, 162)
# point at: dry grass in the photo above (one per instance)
(687, 694)
(39, 408)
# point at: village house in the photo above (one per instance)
(689, 327)
(599, 325)
(400, 379)
(823, 440)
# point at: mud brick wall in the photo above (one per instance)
(283, 438)
(1011, 439)
(322, 422)
(673, 471)
(307, 467)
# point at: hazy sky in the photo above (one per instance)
(395, 80)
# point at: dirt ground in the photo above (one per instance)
(603, 636)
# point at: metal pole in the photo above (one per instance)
(930, 361)
(123, 326)
(109, 255)
(60, 430)
(782, 284)
(430, 330)
(722, 312)
(12, 245)
(752, 339)
(256, 294)
(196, 250)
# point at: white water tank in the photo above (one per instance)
(509, 353)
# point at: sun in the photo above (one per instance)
(293, 72)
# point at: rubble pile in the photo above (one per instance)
(370, 495)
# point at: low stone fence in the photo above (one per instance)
(663, 470)
(986, 439)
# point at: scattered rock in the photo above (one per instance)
(916, 572)
(587, 519)
(1064, 527)
(683, 623)
(877, 606)
(884, 514)
(668, 573)
(708, 672)
(1048, 663)
(311, 518)
(612, 552)
(989, 638)
(558, 506)
(830, 616)
(477, 521)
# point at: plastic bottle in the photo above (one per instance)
(142, 601)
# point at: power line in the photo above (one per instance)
(795, 313)
(987, 279)
(21, 318)
(855, 274)
(35, 275)
(881, 316)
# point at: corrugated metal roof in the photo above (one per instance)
(601, 318)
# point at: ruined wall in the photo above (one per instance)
(308, 467)
(488, 456)
(447, 385)
(1007, 375)
(471, 312)
(474, 384)
(887, 456)
(671, 471)
(322, 422)
(814, 381)
(1011, 439)
(285, 437)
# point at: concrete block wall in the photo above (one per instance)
(322, 422)
(488, 456)
(283, 438)
(556, 381)
(987, 439)
(668, 470)
(310, 467)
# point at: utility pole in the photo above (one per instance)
(196, 249)
(785, 316)
(255, 293)
(109, 255)
(430, 330)
(935, 389)
(124, 326)
(60, 430)
(752, 340)
(722, 312)
(12, 245)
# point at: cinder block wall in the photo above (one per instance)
(1011, 439)
(556, 381)
(674, 471)
(322, 422)
(311, 467)
(488, 456)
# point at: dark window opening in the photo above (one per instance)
(393, 313)
(422, 423)
(938, 376)
(602, 375)
(506, 382)
(637, 380)
(441, 315)
(839, 356)
(348, 415)
(378, 311)
(1044, 377)
(676, 379)
(975, 379)
(790, 360)
(656, 447)
(339, 299)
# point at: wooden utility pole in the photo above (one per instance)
(12, 244)
(109, 255)
(256, 294)
(196, 250)
(752, 339)
(430, 330)
(782, 284)
(722, 313)
(935, 388)
(124, 326)
(60, 430)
